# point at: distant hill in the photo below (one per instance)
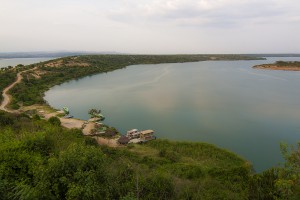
(275, 55)
(54, 54)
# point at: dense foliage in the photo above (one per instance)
(7, 76)
(289, 64)
(31, 89)
(39, 160)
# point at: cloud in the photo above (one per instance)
(151, 26)
(215, 13)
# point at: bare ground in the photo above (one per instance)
(275, 67)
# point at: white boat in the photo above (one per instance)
(136, 136)
(133, 133)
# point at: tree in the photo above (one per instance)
(94, 113)
(288, 183)
(54, 121)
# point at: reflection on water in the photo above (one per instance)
(226, 103)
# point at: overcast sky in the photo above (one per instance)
(151, 26)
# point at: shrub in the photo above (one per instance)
(54, 121)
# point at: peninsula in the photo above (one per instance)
(280, 65)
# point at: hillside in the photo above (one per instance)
(40, 160)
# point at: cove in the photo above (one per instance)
(226, 103)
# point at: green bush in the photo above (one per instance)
(54, 121)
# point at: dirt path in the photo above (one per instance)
(68, 123)
(6, 97)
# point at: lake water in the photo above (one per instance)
(5, 62)
(226, 103)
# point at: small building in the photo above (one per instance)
(110, 132)
(147, 135)
(123, 140)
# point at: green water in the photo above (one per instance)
(226, 103)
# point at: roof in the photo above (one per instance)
(132, 131)
(145, 132)
(111, 132)
(123, 140)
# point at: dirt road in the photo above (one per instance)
(6, 97)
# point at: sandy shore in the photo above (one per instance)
(106, 141)
(275, 67)
(46, 112)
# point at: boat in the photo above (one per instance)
(133, 133)
(136, 136)
(147, 135)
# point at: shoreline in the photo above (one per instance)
(46, 111)
(277, 68)
(280, 66)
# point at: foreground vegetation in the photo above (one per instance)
(31, 89)
(42, 160)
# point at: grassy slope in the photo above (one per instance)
(36, 157)
(6, 78)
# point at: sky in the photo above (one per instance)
(151, 26)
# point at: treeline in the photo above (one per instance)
(288, 63)
(41, 160)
